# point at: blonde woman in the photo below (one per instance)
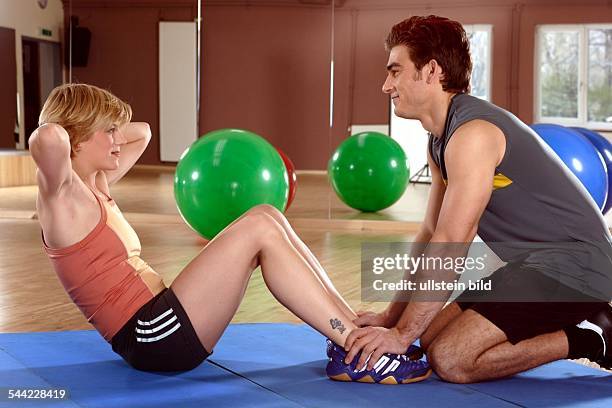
(84, 145)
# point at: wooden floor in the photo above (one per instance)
(32, 299)
(149, 191)
(16, 168)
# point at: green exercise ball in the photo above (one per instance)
(225, 173)
(369, 171)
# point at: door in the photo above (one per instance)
(8, 90)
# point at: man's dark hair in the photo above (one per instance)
(438, 38)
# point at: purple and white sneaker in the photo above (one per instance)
(389, 369)
(413, 352)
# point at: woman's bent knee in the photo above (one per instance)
(261, 226)
(266, 209)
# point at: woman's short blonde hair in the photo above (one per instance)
(83, 109)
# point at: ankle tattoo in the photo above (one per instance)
(337, 324)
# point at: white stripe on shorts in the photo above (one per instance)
(161, 336)
(157, 319)
(158, 328)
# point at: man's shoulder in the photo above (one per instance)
(477, 126)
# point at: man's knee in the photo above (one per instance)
(440, 322)
(448, 363)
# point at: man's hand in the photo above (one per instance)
(367, 318)
(374, 341)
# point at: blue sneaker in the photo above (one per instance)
(389, 369)
(413, 352)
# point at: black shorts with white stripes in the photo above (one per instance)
(160, 337)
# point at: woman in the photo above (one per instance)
(85, 144)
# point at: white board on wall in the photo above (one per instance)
(177, 88)
(408, 133)
(384, 129)
(411, 135)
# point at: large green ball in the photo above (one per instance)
(224, 174)
(369, 171)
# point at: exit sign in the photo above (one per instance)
(46, 32)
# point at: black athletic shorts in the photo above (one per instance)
(542, 313)
(160, 337)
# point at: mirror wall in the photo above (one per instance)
(30, 43)
(264, 67)
(360, 28)
(360, 105)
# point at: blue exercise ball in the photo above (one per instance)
(604, 147)
(580, 156)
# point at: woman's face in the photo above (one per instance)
(102, 149)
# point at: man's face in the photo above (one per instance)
(405, 84)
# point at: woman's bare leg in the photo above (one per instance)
(211, 287)
(307, 254)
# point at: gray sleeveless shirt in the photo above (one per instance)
(539, 213)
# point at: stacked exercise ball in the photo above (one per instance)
(369, 171)
(292, 176)
(225, 173)
(581, 157)
(604, 147)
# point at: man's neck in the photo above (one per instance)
(435, 120)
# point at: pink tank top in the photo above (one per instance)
(104, 274)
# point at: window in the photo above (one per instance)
(574, 75)
(480, 48)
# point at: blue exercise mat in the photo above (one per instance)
(558, 384)
(290, 360)
(14, 375)
(84, 364)
(271, 365)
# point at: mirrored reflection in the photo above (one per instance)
(42, 71)
(31, 47)
(264, 67)
(360, 28)
(9, 126)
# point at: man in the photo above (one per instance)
(491, 175)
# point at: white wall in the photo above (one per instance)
(177, 82)
(408, 133)
(28, 19)
(412, 137)
(384, 129)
